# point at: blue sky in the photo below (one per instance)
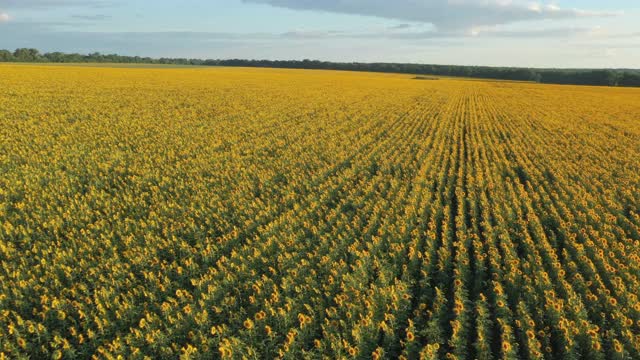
(561, 33)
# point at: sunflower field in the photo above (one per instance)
(216, 213)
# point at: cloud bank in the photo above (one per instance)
(4, 17)
(446, 15)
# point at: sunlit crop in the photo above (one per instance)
(238, 213)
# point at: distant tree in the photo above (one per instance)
(6, 55)
(57, 57)
(27, 55)
(629, 79)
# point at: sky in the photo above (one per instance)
(558, 34)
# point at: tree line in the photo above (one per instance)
(599, 77)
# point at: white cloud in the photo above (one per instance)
(4, 17)
(475, 32)
(446, 15)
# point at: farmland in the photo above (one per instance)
(262, 213)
